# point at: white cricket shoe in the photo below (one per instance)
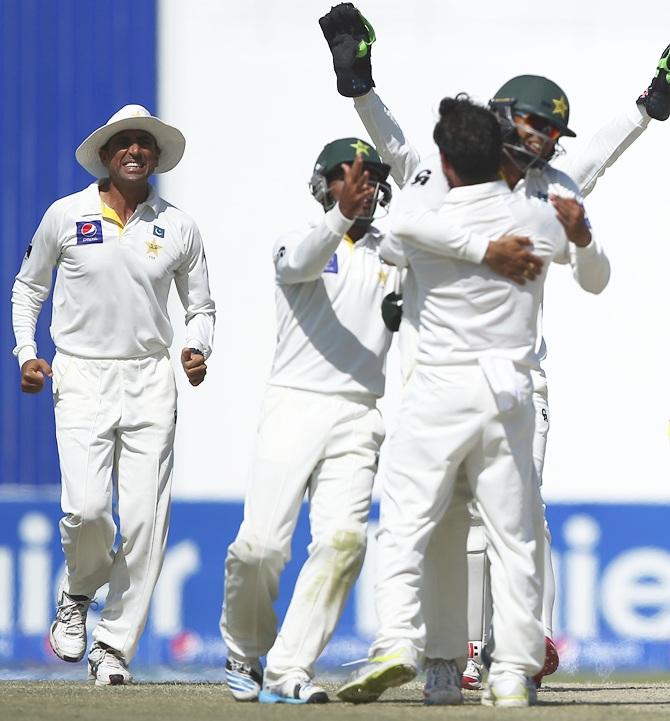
(443, 683)
(67, 634)
(107, 666)
(509, 690)
(295, 690)
(369, 682)
(472, 676)
(244, 679)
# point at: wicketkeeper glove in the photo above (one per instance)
(656, 98)
(349, 36)
(392, 311)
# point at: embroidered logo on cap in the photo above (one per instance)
(89, 231)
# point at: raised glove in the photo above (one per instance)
(349, 36)
(656, 98)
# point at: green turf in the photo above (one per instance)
(65, 700)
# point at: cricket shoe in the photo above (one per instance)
(443, 683)
(244, 679)
(370, 681)
(107, 666)
(67, 634)
(472, 676)
(656, 98)
(295, 689)
(509, 690)
(551, 661)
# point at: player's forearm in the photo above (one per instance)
(590, 266)
(200, 332)
(606, 146)
(25, 311)
(391, 251)
(387, 137)
(433, 232)
(305, 260)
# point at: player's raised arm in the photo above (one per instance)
(350, 37)
(299, 259)
(618, 134)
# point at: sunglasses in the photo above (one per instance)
(540, 125)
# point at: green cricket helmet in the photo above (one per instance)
(535, 95)
(330, 161)
(539, 107)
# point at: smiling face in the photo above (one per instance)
(130, 156)
(537, 134)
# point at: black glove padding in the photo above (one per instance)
(656, 98)
(349, 38)
(392, 311)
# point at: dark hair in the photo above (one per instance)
(469, 136)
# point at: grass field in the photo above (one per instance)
(66, 700)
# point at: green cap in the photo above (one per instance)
(538, 96)
(345, 150)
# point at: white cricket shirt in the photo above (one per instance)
(468, 312)
(112, 282)
(330, 333)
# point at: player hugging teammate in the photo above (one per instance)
(463, 546)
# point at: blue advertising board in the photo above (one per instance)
(612, 565)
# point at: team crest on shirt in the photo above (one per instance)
(153, 248)
(332, 266)
(159, 232)
(89, 232)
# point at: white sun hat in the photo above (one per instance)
(132, 117)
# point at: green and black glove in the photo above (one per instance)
(656, 98)
(349, 36)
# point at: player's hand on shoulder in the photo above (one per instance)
(193, 363)
(33, 373)
(572, 216)
(356, 190)
(511, 257)
(349, 37)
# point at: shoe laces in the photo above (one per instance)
(472, 668)
(109, 656)
(73, 613)
(441, 673)
(240, 666)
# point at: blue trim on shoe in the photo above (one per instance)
(269, 697)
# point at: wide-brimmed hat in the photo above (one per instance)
(132, 117)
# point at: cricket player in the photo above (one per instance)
(117, 248)
(467, 404)
(523, 102)
(319, 433)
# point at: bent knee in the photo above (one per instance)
(249, 550)
(346, 544)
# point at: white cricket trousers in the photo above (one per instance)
(327, 445)
(449, 417)
(438, 593)
(115, 423)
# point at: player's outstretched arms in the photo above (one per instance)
(33, 373)
(193, 363)
(656, 98)
(511, 257)
(349, 36)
